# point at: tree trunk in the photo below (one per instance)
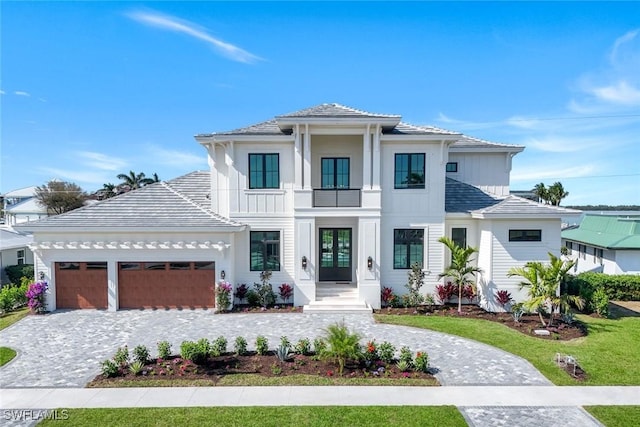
(459, 298)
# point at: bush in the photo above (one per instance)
(240, 346)
(253, 299)
(285, 291)
(618, 287)
(303, 347)
(197, 352)
(319, 345)
(122, 356)
(241, 292)
(164, 349)
(36, 296)
(136, 367)
(219, 346)
(421, 362)
(600, 302)
(387, 351)
(109, 368)
(16, 272)
(342, 345)
(406, 356)
(141, 354)
(13, 297)
(223, 296)
(262, 345)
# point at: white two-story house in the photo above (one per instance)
(335, 201)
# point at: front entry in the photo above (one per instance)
(335, 255)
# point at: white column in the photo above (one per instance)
(366, 159)
(214, 194)
(297, 159)
(307, 158)
(112, 285)
(376, 158)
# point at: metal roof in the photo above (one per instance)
(607, 231)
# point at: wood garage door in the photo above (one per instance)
(81, 285)
(166, 284)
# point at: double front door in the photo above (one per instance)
(335, 255)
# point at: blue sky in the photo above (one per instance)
(94, 89)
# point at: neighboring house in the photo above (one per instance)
(22, 206)
(333, 200)
(605, 243)
(14, 250)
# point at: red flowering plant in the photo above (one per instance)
(387, 296)
(285, 291)
(36, 296)
(241, 292)
(370, 354)
(446, 291)
(223, 295)
(468, 292)
(503, 297)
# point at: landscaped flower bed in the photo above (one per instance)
(339, 355)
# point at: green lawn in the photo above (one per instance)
(6, 355)
(616, 416)
(440, 416)
(9, 319)
(608, 354)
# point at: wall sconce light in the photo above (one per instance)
(369, 263)
(223, 274)
(304, 262)
(41, 275)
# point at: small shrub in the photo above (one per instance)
(403, 366)
(109, 369)
(253, 299)
(387, 351)
(122, 356)
(264, 291)
(284, 341)
(197, 352)
(415, 280)
(240, 346)
(342, 345)
(282, 353)
(517, 311)
(136, 367)
(241, 292)
(285, 291)
(36, 295)
(468, 292)
(276, 369)
(503, 297)
(600, 302)
(164, 349)
(219, 346)
(13, 296)
(370, 353)
(421, 362)
(568, 318)
(262, 345)
(141, 354)
(406, 356)
(446, 291)
(319, 345)
(303, 347)
(388, 297)
(223, 296)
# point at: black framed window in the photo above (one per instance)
(452, 167)
(335, 172)
(409, 171)
(265, 250)
(525, 235)
(264, 170)
(459, 236)
(408, 248)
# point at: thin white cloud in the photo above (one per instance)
(21, 93)
(621, 41)
(177, 158)
(2, 92)
(562, 143)
(619, 93)
(551, 172)
(102, 161)
(80, 177)
(172, 23)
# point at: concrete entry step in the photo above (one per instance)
(337, 298)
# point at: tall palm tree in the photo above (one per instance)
(133, 180)
(107, 191)
(556, 193)
(544, 283)
(460, 270)
(541, 192)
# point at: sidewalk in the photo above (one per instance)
(485, 396)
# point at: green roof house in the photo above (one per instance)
(605, 243)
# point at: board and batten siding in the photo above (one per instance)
(487, 171)
(498, 255)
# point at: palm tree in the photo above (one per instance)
(544, 283)
(541, 191)
(133, 180)
(556, 193)
(107, 191)
(460, 270)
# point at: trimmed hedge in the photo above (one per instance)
(13, 297)
(619, 287)
(17, 272)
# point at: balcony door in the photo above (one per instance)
(335, 255)
(335, 173)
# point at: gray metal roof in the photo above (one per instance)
(409, 129)
(336, 110)
(181, 203)
(464, 198)
(10, 239)
(270, 127)
(469, 141)
(514, 205)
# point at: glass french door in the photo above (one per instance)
(335, 255)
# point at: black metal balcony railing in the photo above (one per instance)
(336, 198)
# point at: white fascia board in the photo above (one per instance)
(435, 138)
(457, 215)
(225, 229)
(495, 149)
(516, 217)
(212, 139)
(337, 121)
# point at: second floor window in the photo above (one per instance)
(409, 171)
(452, 167)
(264, 171)
(335, 172)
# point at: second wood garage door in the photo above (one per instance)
(166, 284)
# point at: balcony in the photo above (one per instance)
(337, 198)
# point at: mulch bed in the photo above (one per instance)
(527, 324)
(280, 308)
(267, 365)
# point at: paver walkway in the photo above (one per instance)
(64, 349)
